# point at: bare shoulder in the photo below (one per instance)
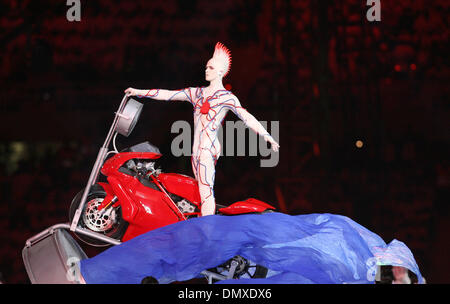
(196, 91)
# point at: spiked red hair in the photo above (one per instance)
(223, 55)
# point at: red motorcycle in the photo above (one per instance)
(137, 196)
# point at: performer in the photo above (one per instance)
(211, 105)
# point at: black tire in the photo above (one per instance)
(118, 226)
(149, 280)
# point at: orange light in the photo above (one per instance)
(359, 144)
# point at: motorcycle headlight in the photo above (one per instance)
(129, 117)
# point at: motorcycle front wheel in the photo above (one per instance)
(109, 223)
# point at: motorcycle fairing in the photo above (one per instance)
(158, 201)
(109, 195)
(181, 185)
(250, 205)
(151, 208)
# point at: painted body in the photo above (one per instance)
(210, 106)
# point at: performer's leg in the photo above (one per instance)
(206, 174)
(194, 164)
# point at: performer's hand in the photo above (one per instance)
(131, 92)
(275, 145)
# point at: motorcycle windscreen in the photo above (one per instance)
(311, 248)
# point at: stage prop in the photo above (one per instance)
(53, 259)
(312, 248)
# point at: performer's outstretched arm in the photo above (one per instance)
(162, 94)
(251, 122)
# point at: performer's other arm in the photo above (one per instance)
(162, 94)
(251, 122)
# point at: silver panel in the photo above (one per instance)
(53, 259)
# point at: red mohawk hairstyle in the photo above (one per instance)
(223, 55)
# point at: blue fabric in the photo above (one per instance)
(312, 248)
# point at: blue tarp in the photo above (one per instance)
(311, 248)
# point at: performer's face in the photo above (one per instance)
(212, 70)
